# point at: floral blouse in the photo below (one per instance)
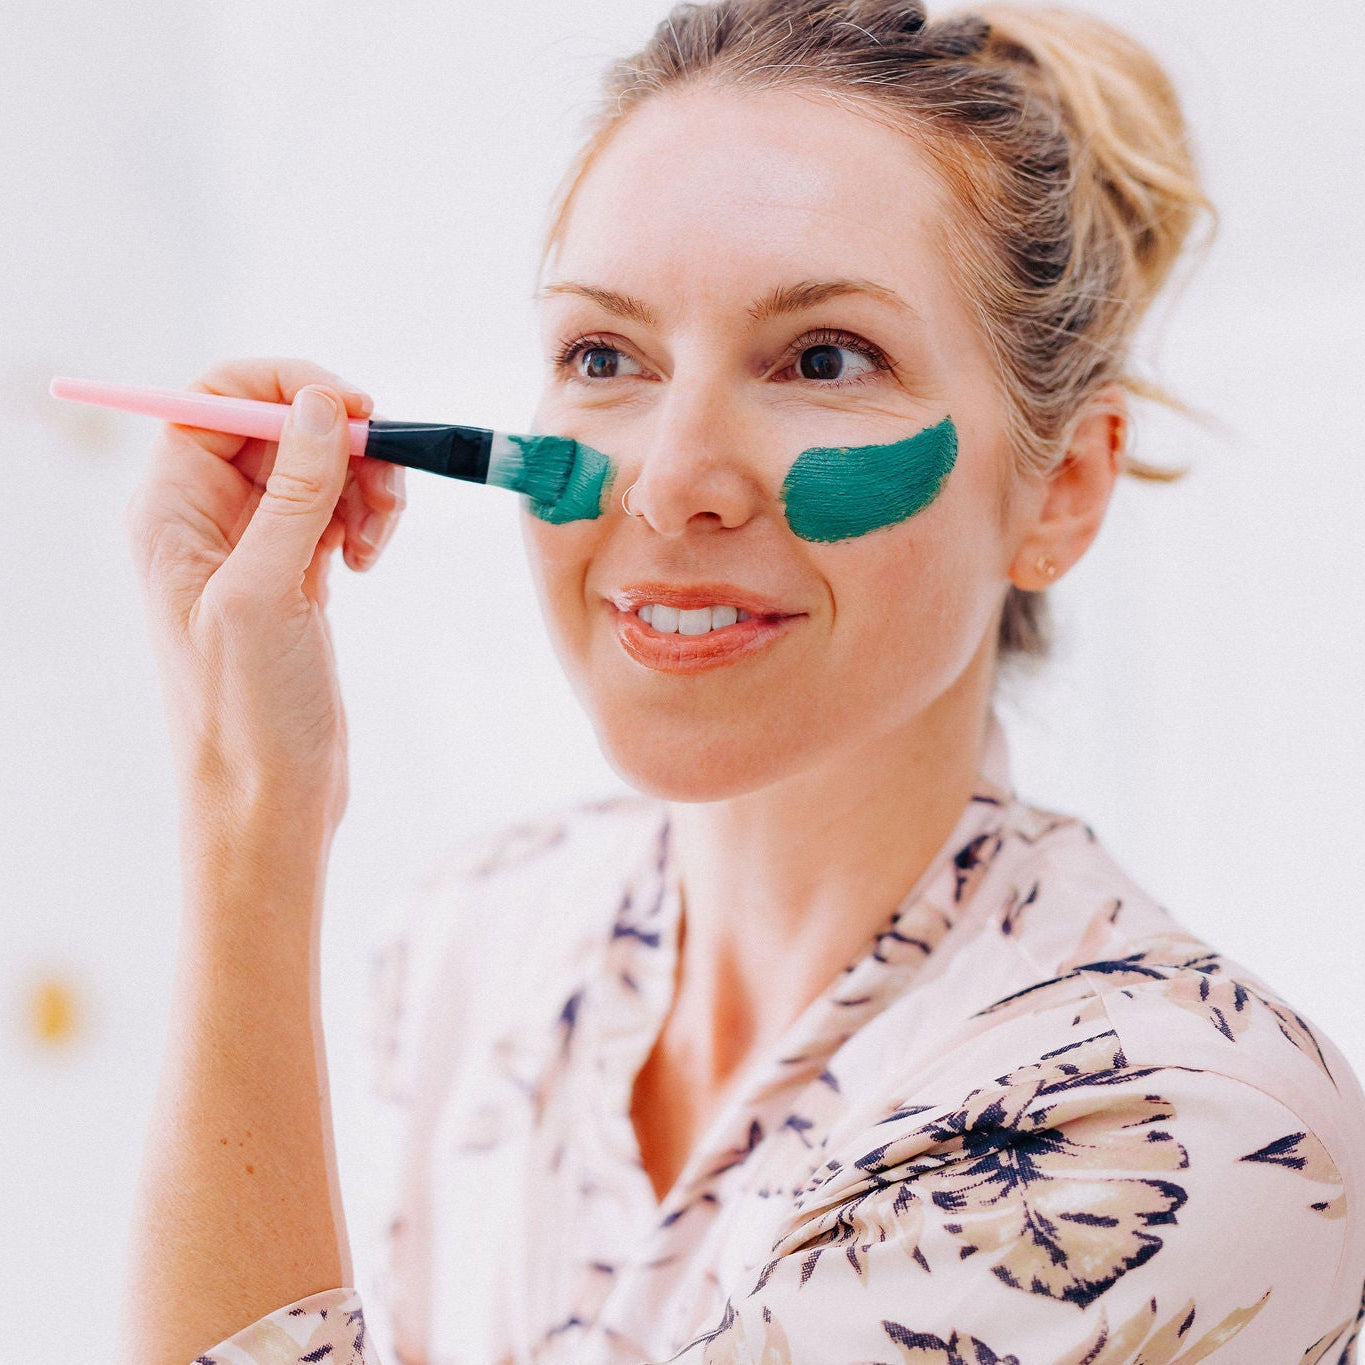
(1035, 1122)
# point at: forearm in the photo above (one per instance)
(238, 1209)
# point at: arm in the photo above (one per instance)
(232, 539)
(238, 1207)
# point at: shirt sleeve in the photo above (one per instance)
(1062, 1216)
(329, 1326)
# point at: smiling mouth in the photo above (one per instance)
(674, 630)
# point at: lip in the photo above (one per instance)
(696, 595)
(696, 653)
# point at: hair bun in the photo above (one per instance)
(1127, 126)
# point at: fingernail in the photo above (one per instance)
(369, 532)
(314, 412)
(393, 480)
(363, 401)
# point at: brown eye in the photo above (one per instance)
(590, 360)
(821, 362)
(840, 362)
(600, 362)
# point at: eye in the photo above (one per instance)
(829, 362)
(834, 359)
(592, 358)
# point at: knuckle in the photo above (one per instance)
(228, 604)
(225, 375)
(292, 487)
(247, 375)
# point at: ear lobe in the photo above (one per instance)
(1077, 493)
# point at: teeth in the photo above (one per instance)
(700, 621)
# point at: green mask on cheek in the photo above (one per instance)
(831, 493)
(837, 493)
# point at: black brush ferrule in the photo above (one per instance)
(456, 452)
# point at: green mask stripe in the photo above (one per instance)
(845, 491)
(831, 493)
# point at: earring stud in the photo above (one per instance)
(1046, 566)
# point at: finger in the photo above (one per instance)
(380, 497)
(269, 379)
(281, 540)
(187, 462)
(315, 579)
(382, 485)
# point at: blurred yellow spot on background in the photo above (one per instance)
(53, 1015)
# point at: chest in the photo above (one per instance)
(669, 1116)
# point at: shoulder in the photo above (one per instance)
(563, 839)
(1116, 994)
(1084, 1106)
(1087, 934)
(1084, 934)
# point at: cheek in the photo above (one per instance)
(559, 557)
(913, 602)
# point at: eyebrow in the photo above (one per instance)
(787, 298)
(795, 298)
(623, 305)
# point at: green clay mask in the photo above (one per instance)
(846, 491)
(831, 493)
(582, 494)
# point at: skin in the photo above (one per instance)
(238, 1208)
(810, 785)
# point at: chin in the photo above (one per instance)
(670, 769)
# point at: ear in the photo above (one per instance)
(1070, 505)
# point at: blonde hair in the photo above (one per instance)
(1061, 140)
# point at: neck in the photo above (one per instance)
(782, 887)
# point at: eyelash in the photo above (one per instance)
(567, 353)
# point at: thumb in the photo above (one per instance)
(302, 490)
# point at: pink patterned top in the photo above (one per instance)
(1035, 1122)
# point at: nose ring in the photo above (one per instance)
(625, 502)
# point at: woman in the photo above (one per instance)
(827, 1048)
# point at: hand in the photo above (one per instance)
(232, 538)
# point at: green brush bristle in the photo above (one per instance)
(562, 480)
(543, 473)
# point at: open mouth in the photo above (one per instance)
(695, 639)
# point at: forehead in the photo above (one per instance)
(705, 191)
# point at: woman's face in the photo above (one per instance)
(743, 277)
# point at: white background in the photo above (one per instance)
(367, 188)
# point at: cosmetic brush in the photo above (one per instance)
(565, 480)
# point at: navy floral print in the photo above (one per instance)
(1034, 1122)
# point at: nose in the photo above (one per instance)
(697, 469)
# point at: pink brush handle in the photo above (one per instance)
(207, 411)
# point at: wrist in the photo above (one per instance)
(261, 866)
